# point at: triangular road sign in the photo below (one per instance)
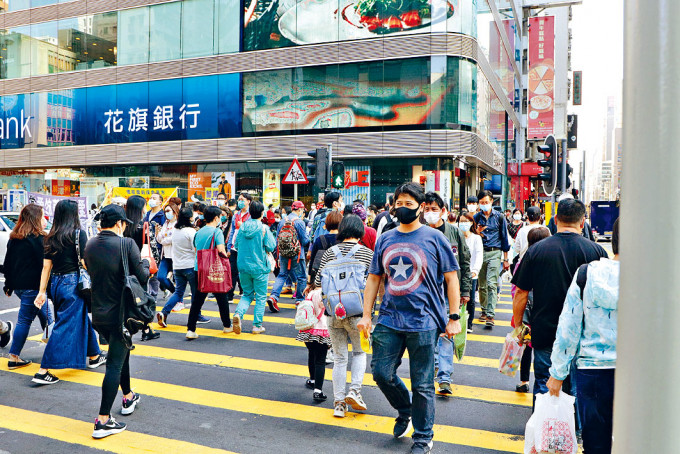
(295, 174)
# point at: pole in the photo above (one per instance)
(563, 167)
(506, 186)
(330, 166)
(295, 187)
(647, 395)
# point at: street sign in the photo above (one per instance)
(578, 87)
(295, 174)
(572, 132)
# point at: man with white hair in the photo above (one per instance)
(587, 231)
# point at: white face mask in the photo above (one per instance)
(342, 206)
(517, 217)
(432, 217)
(485, 208)
(465, 226)
(472, 208)
(153, 203)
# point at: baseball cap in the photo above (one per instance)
(472, 199)
(297, 205)
(111, 214)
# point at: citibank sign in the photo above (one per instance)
(15, 128)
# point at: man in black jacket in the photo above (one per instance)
(103, 258)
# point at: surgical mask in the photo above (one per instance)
(485, 208)
(406, 215)
(220, 202)
(200, 216)
(341, 207)
(517, 217)
(465, 226)
(432, 217)
(170, 216)
(223, 219)
(241, 204)
(472, 208)
(153, 203)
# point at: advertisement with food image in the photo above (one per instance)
(281, 23)
(541, 77)
(376, 94)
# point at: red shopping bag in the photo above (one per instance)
(214, 271)
(146, 253)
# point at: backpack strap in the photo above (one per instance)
(353, 251)
(582, 278)
(337, 252)
(324, 242)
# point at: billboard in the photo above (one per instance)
(271, 187)
(357, 184)
(541, 77)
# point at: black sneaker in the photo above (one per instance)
(319, 396)
(45, 379)
(402, 426)
(273, 305)
(11, 365)
(129, 405)
(420, 447)
(6, 337)
(523, 388)
(309, 384)
(150, 335)
(98, 361)
(111, 427)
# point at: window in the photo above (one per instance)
(164, 35)
(198, 21)
(133, 36)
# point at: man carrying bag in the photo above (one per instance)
(104, 261)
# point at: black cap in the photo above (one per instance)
(111, 214)
(472, 199)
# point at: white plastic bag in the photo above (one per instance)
(511, 356)
(551, 429)
(506, 277)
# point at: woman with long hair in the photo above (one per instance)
(23, 264)
(73, 339)
(134, 210)
(164, 237)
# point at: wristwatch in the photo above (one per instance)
(454, 317)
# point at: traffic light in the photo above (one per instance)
(549, 164)
(565, 187)
(317, 170)
(338, 175)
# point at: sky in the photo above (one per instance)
(597, 50)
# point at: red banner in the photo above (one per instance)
(541, 76)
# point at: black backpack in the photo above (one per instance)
(137, 305)
(391, 225)
(319, 255)
(582, 278)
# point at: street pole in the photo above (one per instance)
(505, 180)
(330, 166)
(563, 167)
(295, 187)
(647, 395)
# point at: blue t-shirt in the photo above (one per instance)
(203, 239)
(414, 265)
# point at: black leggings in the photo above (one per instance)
(233, 257)
(197, 302)
(316, 361)
(525, 364)
(117, 368)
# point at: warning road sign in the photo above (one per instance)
(295, 174)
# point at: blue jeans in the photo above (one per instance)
(254, 289)
(182, 278)
(73, 338)
(27, 313)
(595, 388)
(388, 349)
(444, 360)
(297, 273)
(542, 365)
(163, 269)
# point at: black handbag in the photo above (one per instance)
(138, 306)
(84, 286)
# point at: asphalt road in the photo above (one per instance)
(246, 394)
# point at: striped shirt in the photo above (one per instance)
(364, 255)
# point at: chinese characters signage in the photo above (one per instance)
(163, 118)
(49, 202)
(541, 76)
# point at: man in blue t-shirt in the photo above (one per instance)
(414, 262)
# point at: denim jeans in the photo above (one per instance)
(182, 278)
(163, 269)
(542, 365)
(388, 349)
(254, 289)
(444, 360)
(27, 313)
(341, 332)
(297, 273)
(488, 282)
(595, 388)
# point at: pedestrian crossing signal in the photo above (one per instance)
(338, 175)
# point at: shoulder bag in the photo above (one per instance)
(137, 305)
(146, 250)
(84, 286)
(214, 270)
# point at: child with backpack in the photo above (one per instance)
(311, 321)
(342, 276)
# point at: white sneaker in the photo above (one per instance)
(178, 307)
(258, 329)
(228, 330)
(355, 401)
(192, 335)
(166, 294)
(330, 359)
(340, 410)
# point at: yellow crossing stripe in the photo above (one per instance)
(298, 412)
(78, 433)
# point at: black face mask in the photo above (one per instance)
(406, 215)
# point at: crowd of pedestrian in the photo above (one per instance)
(420, 262)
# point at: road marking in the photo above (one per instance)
(78, 433)
(277, 409)
(7, 311)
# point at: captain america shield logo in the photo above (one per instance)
(406, 267)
